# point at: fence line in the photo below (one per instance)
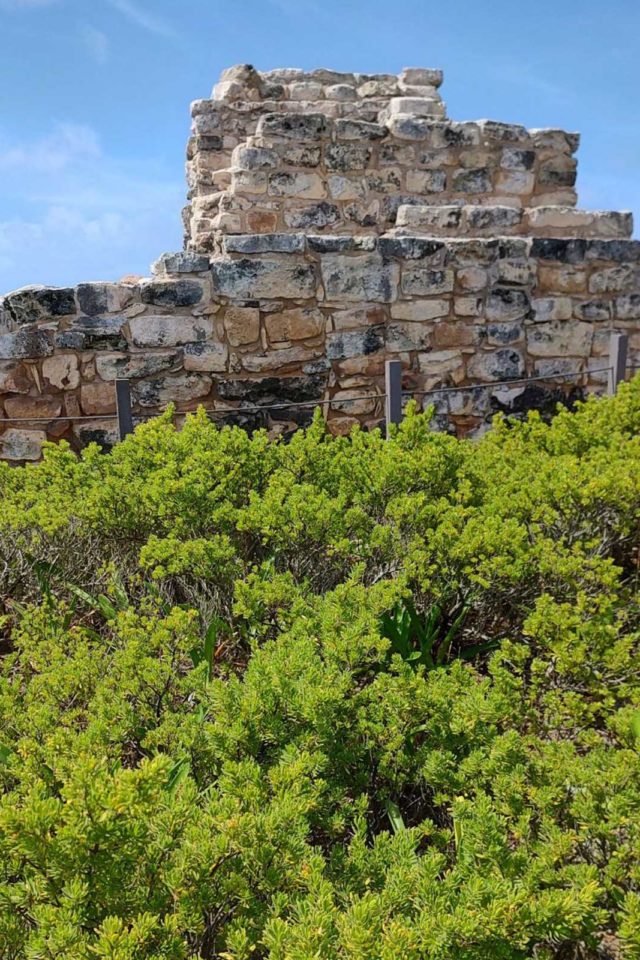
(393, 394)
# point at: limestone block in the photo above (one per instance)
(359, 317)
(440, 363)
(420, 310)
(500, 334)
(348, 129)
(97, 298)
(467, 306)
(242, 325)
(249, 278)
(503, 303)
(406, 336)
(562, 250)
(421, 280)
(409, 128)
(317, 216)
(182, 388)
(416, 106)
(253, 158)
(621, 251)
(472, 181)
(172, 293)
(97, 397)
(421, 76)
(515, 181)
(249, 181)
(206, 357)
(114, 366)
(558, 366)
(301, 155)
(594, 311)
(33, 303)
(378, 88)
(561, 279)
(514, 158)
(36, 407)
(354, 402)
(628, 308)
(298, 324)
(441, 218)
(14, 378)
(276, 360)
(516, 272)
(554, 339)
(340, 91)
(471, 278)
(300, 127)
(452, 333)
(613, 279)
(558, 172)
(502, 364)
(551, 308)
(27, 343)
(426, 181)
(168, 331)
(354, 343)
(342, 157)
(365, 277)
(343, 188)
(22, 444)
(306, 90)
(266, 243)
(492, 218)
(62, 371)
(183, 262)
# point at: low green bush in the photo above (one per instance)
(333, 698)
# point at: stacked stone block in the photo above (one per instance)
(283, 298)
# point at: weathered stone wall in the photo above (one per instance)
(467, 288)
(292, 318)
(345, 159)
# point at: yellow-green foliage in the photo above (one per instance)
(338, 698)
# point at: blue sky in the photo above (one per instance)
(94, 101)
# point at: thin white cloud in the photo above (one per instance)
(73, 212)
(142, 18)
(66, 145)
(96, 43)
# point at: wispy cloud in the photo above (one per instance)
(96, 43)
(142, 18)
(67, 145)
(73, 212)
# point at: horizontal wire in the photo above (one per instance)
(256, 408)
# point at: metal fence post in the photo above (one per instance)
(618, 351)
(123, 407)
(393, 393)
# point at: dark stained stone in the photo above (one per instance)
(409, 248)
(318, 215)
(171, 293)
(563, 251)
(30, 304)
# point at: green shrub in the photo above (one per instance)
(338, 698)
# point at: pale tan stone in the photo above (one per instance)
(420, 310)
(36, 407)
(18, 444)
(242, 325)
(298, 324)
(98, 397)
(62, 371)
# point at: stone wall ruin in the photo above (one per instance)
(334, 221)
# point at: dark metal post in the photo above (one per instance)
(393, 391)
(618, 351)
(123, 407)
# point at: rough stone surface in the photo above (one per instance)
(336, 220)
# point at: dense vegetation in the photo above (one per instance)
(336, 698)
